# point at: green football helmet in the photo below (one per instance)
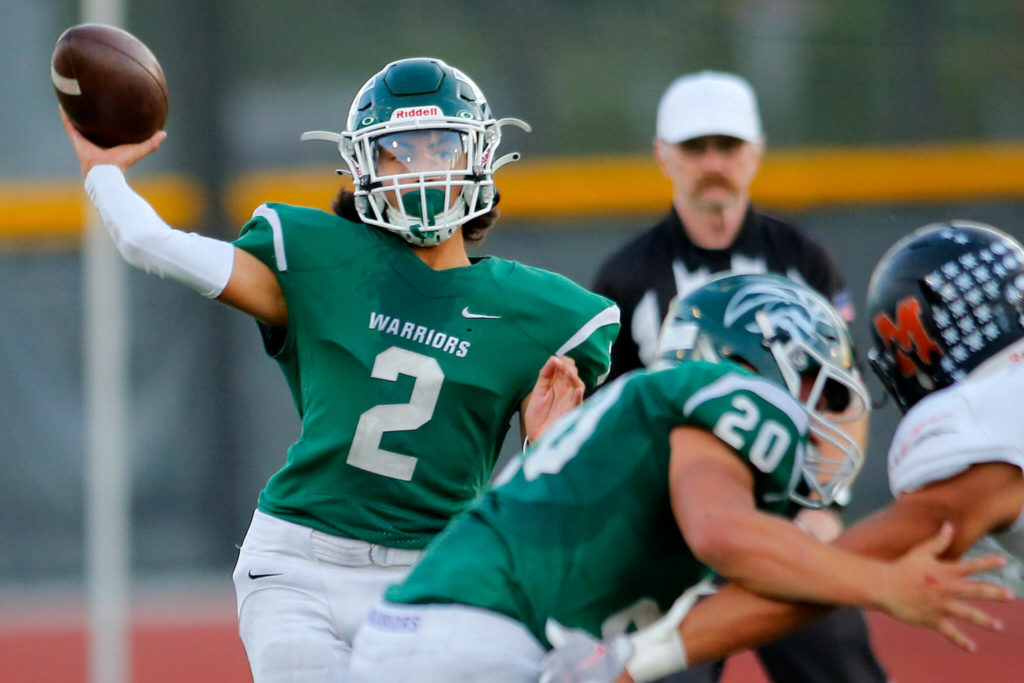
(788, 333)
(420, 144)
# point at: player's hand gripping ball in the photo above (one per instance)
(109, 83)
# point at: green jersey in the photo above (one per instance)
(582, 529)
(405, 378)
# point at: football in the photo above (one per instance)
(109, 83)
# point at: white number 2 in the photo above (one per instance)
(366, 453)
(770, 442)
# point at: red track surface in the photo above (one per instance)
(914, 655)
(198, 652)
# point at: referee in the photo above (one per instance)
(709, 145)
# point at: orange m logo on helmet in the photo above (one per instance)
(907, 335)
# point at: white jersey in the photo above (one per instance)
(974, 421)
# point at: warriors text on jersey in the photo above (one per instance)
(582, 530)
(974, 421)
(405, 378)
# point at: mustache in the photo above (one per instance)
(714, 179)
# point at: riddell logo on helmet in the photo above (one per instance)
(416, 112)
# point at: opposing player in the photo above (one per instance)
(946, 307)
(406, 359)
(656, 481)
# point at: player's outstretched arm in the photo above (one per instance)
(558, 390)
(735, 619)
(985, 498)
(214, 268)
(712, 498)
(921, 588)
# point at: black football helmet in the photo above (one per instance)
(788, 333)
(941, 301)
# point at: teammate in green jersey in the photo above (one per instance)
(406, 359)
(656, 481)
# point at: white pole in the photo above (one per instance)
(107, 485)
(107, 480)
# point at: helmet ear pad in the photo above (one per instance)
(941, 302)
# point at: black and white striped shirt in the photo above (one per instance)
(646, 273)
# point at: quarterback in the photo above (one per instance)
(659, 479)
(406, 359)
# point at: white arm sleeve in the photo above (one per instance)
(147, 242)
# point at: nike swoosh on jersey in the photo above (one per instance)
(467, 314)
(261, 576)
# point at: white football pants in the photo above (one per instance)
(449, 643)
(303, 593)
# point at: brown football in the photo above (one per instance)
(109, 83)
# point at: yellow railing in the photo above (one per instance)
(580, 187)
(55, 210)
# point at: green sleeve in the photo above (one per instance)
(256, 237)
(593, 355)
(765, 426)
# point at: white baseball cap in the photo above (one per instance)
(709, 103)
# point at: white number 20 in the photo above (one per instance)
(366, 453)
(770, 443)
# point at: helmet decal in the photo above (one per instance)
(796, 312)
(416, 112)
(956, 291)
(967, 286)
(907, 336)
